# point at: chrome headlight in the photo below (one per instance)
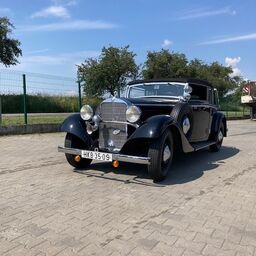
(86, 112)
(133, 114)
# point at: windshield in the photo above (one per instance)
(165, 90)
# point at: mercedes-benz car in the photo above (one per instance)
(155, 120)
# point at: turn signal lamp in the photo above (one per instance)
(115, 163)
(77, 158)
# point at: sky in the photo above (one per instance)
(57, 35)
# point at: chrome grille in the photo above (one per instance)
(112, 135)
(113, 111)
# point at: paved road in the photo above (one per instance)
(207, 206)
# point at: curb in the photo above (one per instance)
(29, 129)
(237, 118)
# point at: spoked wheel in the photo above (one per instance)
(71, 141)
(161, 154)
(219, 139)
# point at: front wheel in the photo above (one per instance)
(219, 139)
(71, 141)
(161, 154)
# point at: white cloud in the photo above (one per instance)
(4, 10)
(167, 43)
(236, 72)
(203, 12)
(64, 2)
(232, 62)
(63, 64)
(68, 25)
(37, 51)
(52, 11)
(71, 3)
(57, 59)
(246, 37)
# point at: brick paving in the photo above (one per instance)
(207, 206)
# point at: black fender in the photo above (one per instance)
(75, 125)
(217, 118)
(155, 126)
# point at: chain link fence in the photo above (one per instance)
(29, 98)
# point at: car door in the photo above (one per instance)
(202, 112)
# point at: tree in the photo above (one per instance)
(215, 73)
(9, 47)
(110, 72)
(164, 64)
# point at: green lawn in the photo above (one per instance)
(236, 113)
(57, 119)
(19, 120)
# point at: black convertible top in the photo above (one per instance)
(180, 80)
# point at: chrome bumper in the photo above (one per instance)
(118, 157)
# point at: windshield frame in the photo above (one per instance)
(156, 96)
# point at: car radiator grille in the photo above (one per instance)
(112, 135)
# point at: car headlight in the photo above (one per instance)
(133, 114)
(86, 112)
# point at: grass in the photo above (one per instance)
(19, 120)
(58, 119)
(236, 113)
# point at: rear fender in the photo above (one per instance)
(75, 125)
(218, 117)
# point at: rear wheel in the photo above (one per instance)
(161, 154)
(71, 141)
(219, 139)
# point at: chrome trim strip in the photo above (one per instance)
(71, 151)
(204, 146)
(120, 122)
(131, 159)
(119, 157)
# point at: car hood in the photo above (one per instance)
(152, 106)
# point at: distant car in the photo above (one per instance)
(155, 119)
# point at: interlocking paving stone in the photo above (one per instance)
(206, 206)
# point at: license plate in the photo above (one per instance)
(95, 155)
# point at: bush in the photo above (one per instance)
(40, 104)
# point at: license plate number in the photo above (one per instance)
(95, 155)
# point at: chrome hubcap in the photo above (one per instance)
(166, 154)
(220, 136)
(186, 125)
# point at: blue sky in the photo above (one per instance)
(58, 34)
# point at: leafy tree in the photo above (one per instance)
(9, 47)
(215, 73)
(165, 64)
(110, 72)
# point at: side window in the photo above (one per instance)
(199, 92)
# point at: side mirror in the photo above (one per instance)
(187, 92)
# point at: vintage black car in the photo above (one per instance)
(155, 119)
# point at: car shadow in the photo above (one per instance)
(185, 168)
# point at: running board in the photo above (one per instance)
(200, 145)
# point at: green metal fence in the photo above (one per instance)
(27, 98)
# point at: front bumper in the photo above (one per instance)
(118, 157)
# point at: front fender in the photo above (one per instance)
(75, 125)
(153, 127)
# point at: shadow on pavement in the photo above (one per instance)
(185, 168)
